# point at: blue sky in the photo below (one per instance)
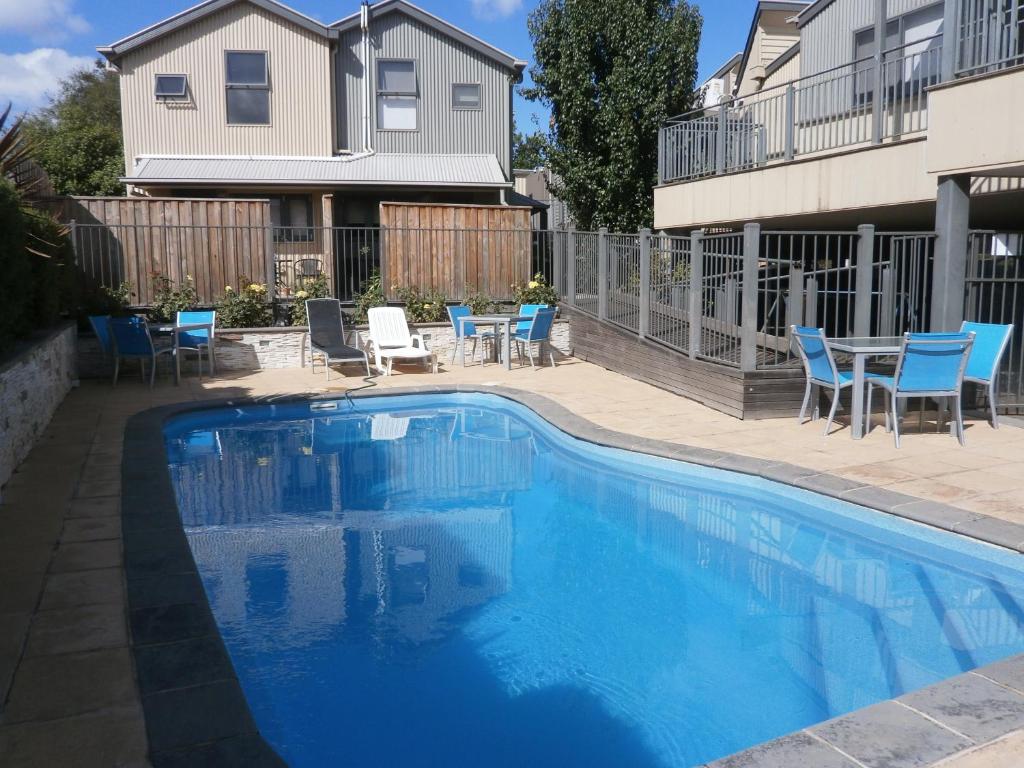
(43, 40)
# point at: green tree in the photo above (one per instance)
(611, 72)
(77, 137)
(529, 150)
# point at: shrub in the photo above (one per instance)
(310, 288)
(371, 294)
(15, 269)
(169, 300)
(246, 308)
(426, 307)
(479, 303)
(537, 291)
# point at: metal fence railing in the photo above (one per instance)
(623, 304)
(584, 269)
(669, 312)
(990, 35)
(721, 285)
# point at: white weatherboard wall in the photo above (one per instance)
(32, 385)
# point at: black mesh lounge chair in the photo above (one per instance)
(327, 336)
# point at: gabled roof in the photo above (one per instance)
(789, 53)
(762, 6)
(811, 11)
(400, 169)
(114, 51)
(442, 26)
(735, 59)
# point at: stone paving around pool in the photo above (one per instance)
(68, 686)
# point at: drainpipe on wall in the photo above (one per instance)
(364, 26)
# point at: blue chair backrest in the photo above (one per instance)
(198, 336)
(454, 313)
(932, 362)
(101, 327)
(540, 326)
(814, 349)
(990, 342)
(131, 336)
(527, 310)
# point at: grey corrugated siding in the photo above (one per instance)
(440, 62)
(826, 41)
(401, 168)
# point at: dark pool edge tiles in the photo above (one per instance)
(196, 713)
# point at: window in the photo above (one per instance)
(292, 218)
(396, 95)
(248, 88)
(171, 86)
(911, 37)
(466, 96)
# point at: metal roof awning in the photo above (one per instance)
(373, 170)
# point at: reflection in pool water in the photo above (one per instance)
(446, 580)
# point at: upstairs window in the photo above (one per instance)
(466, 96)
(292, 218)
(248, 88)
(396, 95)
(912, 37)
(170, 87)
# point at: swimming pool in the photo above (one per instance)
(448, 580)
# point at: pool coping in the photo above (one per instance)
(196, 712)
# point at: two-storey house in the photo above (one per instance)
(250, 98)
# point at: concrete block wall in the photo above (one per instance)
(32, 385)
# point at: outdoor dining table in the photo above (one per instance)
(174, 329)
(860, 349)
(501, 323)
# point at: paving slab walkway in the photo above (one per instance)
(68, 691)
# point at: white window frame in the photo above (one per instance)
(415, 95)
(170, 96)
(479, 98)
(265, 86)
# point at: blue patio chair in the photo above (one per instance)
(132, 342)
(527, 310)
(101, 327)
(990, 343)
(198, 340)
(929, 365)
(820, 368)
(538, 332)
(454, 313)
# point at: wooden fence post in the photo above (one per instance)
(696, 298)
(73, 232)
(750, 295)
(865, 280)
(602, 273)
(645, 283)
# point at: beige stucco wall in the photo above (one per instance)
(300, 89)
(882, 176)
(975, 124)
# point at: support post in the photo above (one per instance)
(570, 265)
(865, 280)
(949, 272)
(73, 231)
(327, 214)
(749, 293)
(795, 306)
(723, 125)
(661, 155)
(811, 302)
(645, 282)
(950, 55)
(790, 122)
(877, 112)
(558, 261)
(696, 297)
(602, 273)
(271, 262)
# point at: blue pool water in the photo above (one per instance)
(447, 580)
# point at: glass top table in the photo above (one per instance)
(860, 348)
(502, 327)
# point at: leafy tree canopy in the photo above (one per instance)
(529, 150)
(77, 137)
(611, 72)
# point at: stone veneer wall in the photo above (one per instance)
(255, 349)
(32, 385)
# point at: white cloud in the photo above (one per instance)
(26, 78)
(486, 9)
(43, 21)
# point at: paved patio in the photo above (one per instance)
(67, 683)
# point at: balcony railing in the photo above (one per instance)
(990, 35)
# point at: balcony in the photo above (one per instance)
(871, 101)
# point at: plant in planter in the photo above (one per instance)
(371, 294)
(537, 291)
(309, 288)
(244, 308)
(428, 307)
(479, 303)
(170, 299)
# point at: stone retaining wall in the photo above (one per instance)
(256, 349)
(32, 385)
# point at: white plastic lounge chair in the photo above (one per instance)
(387, 427)
(392, 340)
